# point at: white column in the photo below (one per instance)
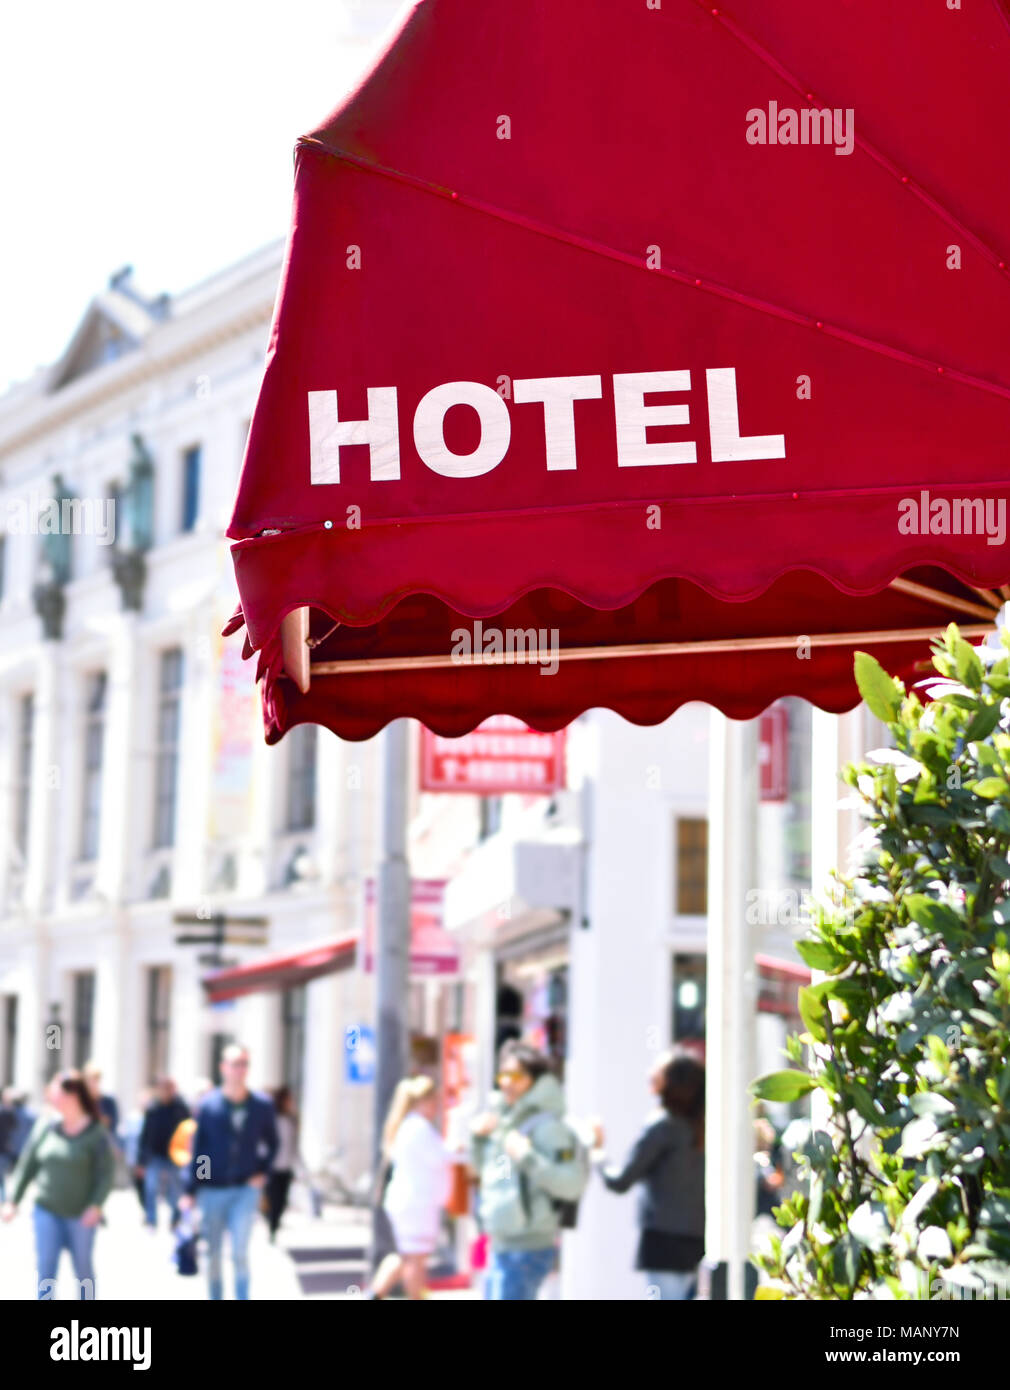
(322, 1064)
(125, 779)
(33, 1013)
(619, 1001)
(193, 774)
(45, 780)
(730, 1024)
(117, 1040)
(837, 739)
(188, 1028)
(482, 974)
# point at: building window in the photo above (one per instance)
(691, 889)
(84, 1015)
(689, 990)
(293, 1038)
(190, 486)
(23, 773)
(10, 1037)
(167, 752)
(302, 777)
(159, 1002)
(91, 786)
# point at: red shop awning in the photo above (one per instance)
(283, 971)
(666, 342)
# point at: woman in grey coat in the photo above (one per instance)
(667, 1162)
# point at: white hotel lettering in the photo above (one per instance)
(380, 430)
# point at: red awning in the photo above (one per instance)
(577, 340)
(282, 972)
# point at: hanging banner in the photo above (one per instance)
(235, 727)
(433, 951)
(501, 755)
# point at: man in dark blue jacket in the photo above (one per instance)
(233, 1149)
(161, 1119)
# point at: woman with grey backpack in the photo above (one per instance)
(532, 1171)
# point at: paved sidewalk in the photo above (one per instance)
(133, 1263)
(329, 1254)
(314, 1258)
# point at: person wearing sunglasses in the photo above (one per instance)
(233, 1150)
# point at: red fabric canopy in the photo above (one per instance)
(283, 971)
(523, 194)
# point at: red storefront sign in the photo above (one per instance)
(773, 753)
(501, 755)
(433, 951)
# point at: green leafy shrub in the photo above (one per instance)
(905, 1193)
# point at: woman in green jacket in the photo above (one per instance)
(70, 1160)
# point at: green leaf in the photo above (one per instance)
(934, 916)
(929, 1103)
(813, 1012)
(967, 664)
(816, 1198)
(782, 1085)
(983, 722)
(765, 1292)
(845, 1261)
(863, 1104)
(819, 955)
(880, 691)
(991, 787)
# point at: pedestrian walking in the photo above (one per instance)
(8, 1123)
(132, 1126)
(531, 1166)
(180, 1146)
(108, 1106)
(154, 1163)
(70, 1160)
(234, 1145)
(667, 1162)
(417, 1164)
(286, 1163)
(24, 1121)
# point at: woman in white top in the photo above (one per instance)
(418, 1188)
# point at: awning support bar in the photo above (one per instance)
(442, 660)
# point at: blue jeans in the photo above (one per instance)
(672, 1284)
(231, 1209)
(161, 1174)
(516, 1275)
(53, 1234)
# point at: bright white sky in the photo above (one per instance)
(158, 136)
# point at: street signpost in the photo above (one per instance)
(218, 933)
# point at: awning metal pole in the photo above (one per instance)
(730, 1026)
(391, 950)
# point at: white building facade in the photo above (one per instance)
(136, 784)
